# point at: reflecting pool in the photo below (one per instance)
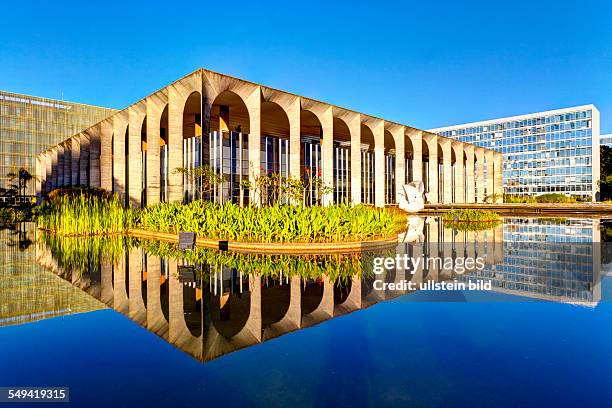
(127, 322)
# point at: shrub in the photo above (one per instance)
(555, 198)
(470, 215)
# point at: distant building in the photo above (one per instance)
(606, 140)
(29, 125)
(544, 152)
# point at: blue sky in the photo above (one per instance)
(426, 64)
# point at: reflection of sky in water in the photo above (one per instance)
(402, 351)
(472, 349)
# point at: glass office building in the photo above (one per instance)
(29, 125)
(606, 140)
(545, 152)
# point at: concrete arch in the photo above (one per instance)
(232, 117)
(292, 319)
(178, 332)
(445, 154)
(324, 114)
(156, 321)
(394, 162)
(351, 302)
(353, 121)
(136, 122)
(431, 144)
(120, 134)
(120, 297)
(137, 309)
(215, 344)
(156, 105)
(325, 309)
(458, 172)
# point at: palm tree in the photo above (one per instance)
(23, 177)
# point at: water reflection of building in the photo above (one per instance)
(29, 292)
(210, 308)
(556, 259)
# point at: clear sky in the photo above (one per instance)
(426, 64)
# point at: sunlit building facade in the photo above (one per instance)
(606, 140)
(546, 152)
(29, 125)
(242, 131)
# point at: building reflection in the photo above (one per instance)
(209, 304)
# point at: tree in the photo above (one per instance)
(204, 178)
(605, 169)
(23, 177)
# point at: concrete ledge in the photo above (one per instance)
(292, 248)
(528, 208)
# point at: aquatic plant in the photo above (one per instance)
(82, 213)
(338, 268)
(86, 254)
(277, 223)
(470, 215)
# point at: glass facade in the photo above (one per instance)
(546, 152)
(606, 140)
(29, 125)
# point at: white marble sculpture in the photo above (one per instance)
(412, 200)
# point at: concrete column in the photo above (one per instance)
(84, 161)
(416, 138)
(490, 172)
(354, 124)
(75, 155)
(48, 171)
(498, 183)
(293, 113)
(398, 133)
(38, 179)
(95, 149)
(432, 168)
(469, 173)
(120, 297)
(155, 107)
(447, 171)
(106, 281)
(378, 130)
(175, 144)
(479, 153)
(138, 312)
(156, 322)
(120, 122)
(327, 152)
(67, 163)
(136, 117)
(60, 165)
(253, 104)
(106, 146)
(459, 172)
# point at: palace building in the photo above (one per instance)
(242, 130)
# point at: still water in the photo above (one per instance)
(137, 323)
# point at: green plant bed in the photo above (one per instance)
(470, 215)
(471, 219)
(77, 212)
(278, 223)
(80, 212)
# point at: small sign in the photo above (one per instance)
(186, 274)
(186, 241)
(223, 245)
